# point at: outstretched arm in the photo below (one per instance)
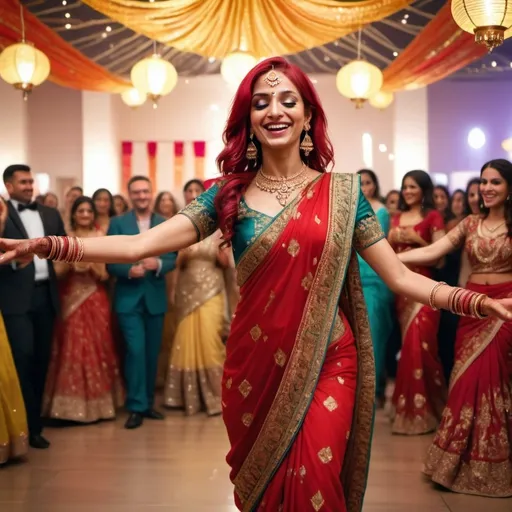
(402, 281)
(429, 255)
(170, 236)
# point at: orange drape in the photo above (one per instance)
(126, 165)
(438, 51)
(152, 151)
(69, 67)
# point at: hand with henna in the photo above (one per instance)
(11, 250)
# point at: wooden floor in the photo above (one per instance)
(178, 465)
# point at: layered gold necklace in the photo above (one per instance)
(281, 187)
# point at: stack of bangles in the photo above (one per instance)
(68, 249)
(461, 302)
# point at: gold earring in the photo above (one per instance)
(252, 151)
(307, 142)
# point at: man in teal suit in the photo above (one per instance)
(140, 301)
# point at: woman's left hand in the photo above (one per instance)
(501, 308)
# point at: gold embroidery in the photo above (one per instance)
(297, 215)
(245, 388)
(280, 357)
(270, 300)
(339, 329)
(347, 434)
(341, 380)
(419, 400)
(367, 232)
(293, 248)
(315, 261)
(330, 404)
(302, 471)
(401, 402)
(325, 455)
(310, 193)
(317, 220)
(229, 382)
(247, 419)
(418, 373)
(265, 338)
(197, 212)
(424, 345)
(307, 281)
(256, 333)
(317, 501)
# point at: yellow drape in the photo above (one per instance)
(214, 28)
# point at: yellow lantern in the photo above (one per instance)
(235, 66)
(133, 97)
(24, 66)
(507, 145)
(359, 80)
(487, 19)
(154, 77)
(381, 100)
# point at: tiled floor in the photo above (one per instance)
(178, 465)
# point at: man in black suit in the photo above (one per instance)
(29, 298)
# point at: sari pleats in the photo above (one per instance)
(309, 476)
(472, 450)
(420, 389)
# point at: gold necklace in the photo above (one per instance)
(281, 187)
(493, 230)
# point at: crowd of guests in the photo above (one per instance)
(171, 318)
(78, 340)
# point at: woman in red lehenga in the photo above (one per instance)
(83, 383)
(472, 450)
(298, 386)
(420, 389)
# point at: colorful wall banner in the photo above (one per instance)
(179, 148)
(126, 164)
(199, 154)
(152, 151)
(69, 67)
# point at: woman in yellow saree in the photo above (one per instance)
(298, 385)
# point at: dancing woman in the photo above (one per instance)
(298, 385)
(420, 390)
(472, 450)
(378, 297)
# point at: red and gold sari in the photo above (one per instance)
(420, 389)
(298, 385)
(472, 449)
(84, 382)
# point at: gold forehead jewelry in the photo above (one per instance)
(272, 78)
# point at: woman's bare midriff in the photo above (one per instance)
(490, 279)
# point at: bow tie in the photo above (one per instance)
(29, 206)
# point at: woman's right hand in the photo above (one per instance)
(19, 249)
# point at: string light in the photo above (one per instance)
(395, 54)
(67, 15)
(67, 26)
(494, 63)
(64, 2)
(108, 29)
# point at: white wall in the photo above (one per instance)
(13, 128)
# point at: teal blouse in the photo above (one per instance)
(251, 223)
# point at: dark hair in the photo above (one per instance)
(504, 167)
(394, 191)
(12, 169)
(125, 202)
(133, 179)
(40, 198)
(232, 161)
(471, 182)
(159, 198)
(464, 201)
(78, 202)
(424, 181)
(447, 214)
(375, 180)
(75, 187)
(111, 210)
(195, 181)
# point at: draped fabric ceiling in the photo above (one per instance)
(69, 67)
(208, 30)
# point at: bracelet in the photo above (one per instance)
(432, 297)
(68, 249)
(464, 302)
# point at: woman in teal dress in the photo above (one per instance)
(378, 297)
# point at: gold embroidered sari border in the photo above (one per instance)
(291, 402)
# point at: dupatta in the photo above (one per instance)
(293, 279)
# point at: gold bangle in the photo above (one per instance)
(432, 297)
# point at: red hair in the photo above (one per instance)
(232, 162)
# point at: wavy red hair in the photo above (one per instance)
(232, 162)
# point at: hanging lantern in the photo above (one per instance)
(154, 77)
(359, 80)
(235, 66)
(381, 100)
(487, 19)
(24, 66)
(133, 97)
(507, 145)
